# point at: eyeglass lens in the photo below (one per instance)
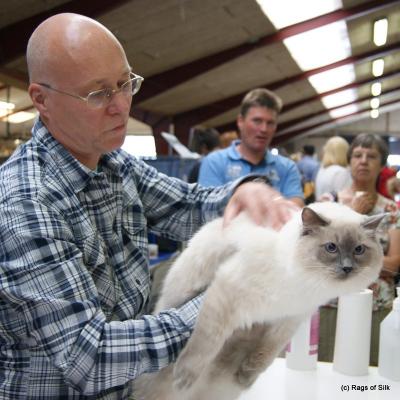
(101, 98)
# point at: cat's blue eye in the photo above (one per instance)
(331, 247)
(359, 250)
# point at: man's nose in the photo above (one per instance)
(119, 103)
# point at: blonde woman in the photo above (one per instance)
(333, 174)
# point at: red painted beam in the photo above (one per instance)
(15, 36)
(166, 80)
(14, 78)
(202, 113)
(229, 126)
(290, 135)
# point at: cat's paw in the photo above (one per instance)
(251, 368)
(246, 378)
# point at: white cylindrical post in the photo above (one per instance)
(353, 333)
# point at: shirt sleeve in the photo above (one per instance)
(50, 306)
(176, 209)
(211, 171)
(291, 187)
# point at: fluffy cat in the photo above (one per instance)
(260, 284)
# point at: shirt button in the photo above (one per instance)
(137, 281)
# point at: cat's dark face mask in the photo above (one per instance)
(341, 252)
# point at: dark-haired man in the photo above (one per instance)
(257, 123)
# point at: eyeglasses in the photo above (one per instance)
(101, 98)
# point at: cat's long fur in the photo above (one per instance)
(260, 284)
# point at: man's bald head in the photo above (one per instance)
(60, 40)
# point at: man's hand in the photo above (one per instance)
(264, 205)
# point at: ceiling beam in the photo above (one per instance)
(353, 85)
(289, 106)
(15, 111)
(156, 84)
(202, 113)
(14, 78)
(16, 36)
(290, 135)
(290, 124)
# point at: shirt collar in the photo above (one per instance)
(234, 154)
(74, 172)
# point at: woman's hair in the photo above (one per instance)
(368, 141)
(335, 152)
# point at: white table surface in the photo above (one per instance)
(281, 383)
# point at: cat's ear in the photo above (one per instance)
(373, 221)
(312, 220)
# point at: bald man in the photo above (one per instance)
(75, 212)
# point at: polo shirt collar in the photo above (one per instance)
(234, 154)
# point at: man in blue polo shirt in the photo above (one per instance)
(257, 123)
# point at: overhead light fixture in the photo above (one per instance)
(277, 11)
(6, 106)
(374, 103)
(333, 78)
(343, 111)
(337, 99)
(310, 56)
(316, 55)
(376, 89)
(378, 66)
(374, 113)
(316, 47)
(19, 117)
(380, 31)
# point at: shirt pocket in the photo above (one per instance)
(134, 229)
(135, 248)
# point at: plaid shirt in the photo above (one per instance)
(74, 276)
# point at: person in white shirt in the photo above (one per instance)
(334, 174)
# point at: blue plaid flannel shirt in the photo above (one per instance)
(74, 276)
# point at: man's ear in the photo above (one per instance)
(239, 122)
(38, 96)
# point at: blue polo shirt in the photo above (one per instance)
(226, 165)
